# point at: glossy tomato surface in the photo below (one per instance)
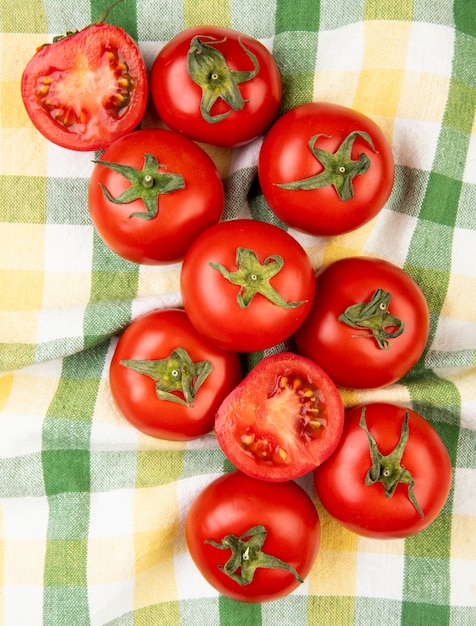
(234, 504)
(153, 214)
(224, 277)
(284, 419)
(85, 90)
(379, 339)
(216, 85)
(364, 508)
(344, 178)
(136, 386)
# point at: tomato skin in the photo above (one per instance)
(182, 214)
(350, 359)
(154, 335)
(234, 503)
(253, 408)
(285, 156)
(81, 57)
(364, 509)
(177, 98)
(211, 300)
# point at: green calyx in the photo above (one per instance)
(147, 184)
(252, 277)
(387, 469)
(247, 556)
(339, 167)
(177, 372)
(208, 69)
(373, 316)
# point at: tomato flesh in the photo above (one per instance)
(86, 89)
(282, 421)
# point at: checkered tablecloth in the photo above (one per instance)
(91, 511)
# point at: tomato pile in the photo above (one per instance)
(156, 197)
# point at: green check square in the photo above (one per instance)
(67, 201)
(378, 10)
(158, 468)
(69, 516)
(460, 107)
(112, 470)
(23, 199)
(419, 613)
(74, 401)
(297, 16)
(65, 563)
(22, 477)
(441, 200)
(65, 471)
(295, 52)
(16, 355)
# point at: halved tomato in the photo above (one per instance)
(86, 89)
(282, 421)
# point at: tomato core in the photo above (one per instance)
(290, 396)
(74, 96)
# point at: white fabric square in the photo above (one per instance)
(190, 582)
(331, 44)
(107, 437)
(64, 163)
(56, 324)
(468, 415)
(464, 499)
(18, 522)
(22, 604)
(430, 48)
(379, 575)
(380, 244)
(463, 583)
(414, 143)
(111, 514)
(68, 248)
(464, 252)
(22, 434)
(453, 335)
(110, 601)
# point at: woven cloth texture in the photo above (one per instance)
(92, 512)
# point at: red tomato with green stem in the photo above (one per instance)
(216, 85)
(167, 380)
(246, 285)
(151, 193)
(87, 88)
(390, 475)
(325, 169)
(253, 541)
(284, 419)
(369, 324)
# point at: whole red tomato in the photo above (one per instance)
(216, 85)
(253, 541)
(283, 420)
(86, 89)
(368, 325)
(151, 193)
(246, 285)
(325, 169)
(167, 380)
(390, 475)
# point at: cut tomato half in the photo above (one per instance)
(282, 421)
(86, 89)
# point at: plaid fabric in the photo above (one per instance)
(91, 511)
